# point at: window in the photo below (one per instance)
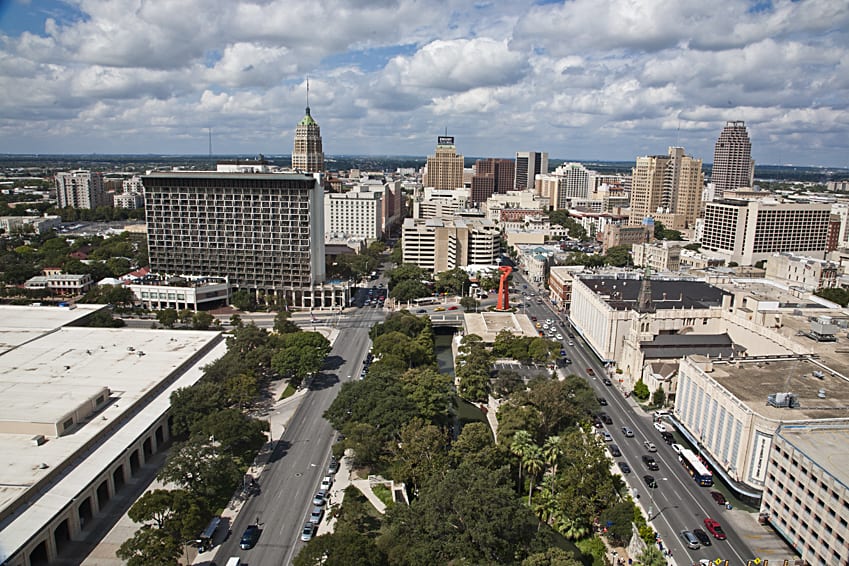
(67, 424)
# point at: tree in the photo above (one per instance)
(202, 320)
(619, 517)
(283, 323)
(241, 389)
(365, 442)
(243, 300)
(202, 469)
(409, 289)
(471, 516)
(834, 294)
(507, 382)
(651, 556)
(176, 511)
(343, 547)
(167, 317)
(233, 433)
(420, 455)
(533, 462)
(104, 319)
(470, 304)
(551, 557)
(149, 547)
(189, 405)
(658, 398)
(301, 354)
(454, 281)
(641, 390)
(430, 391)
(618, 256)
(476, 447)
(236, 320)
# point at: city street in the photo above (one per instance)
(301, 454)
(678, 503)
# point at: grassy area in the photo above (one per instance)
(288, 392)
(383, 493)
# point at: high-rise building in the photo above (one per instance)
(445, 168)
(308, 156)
(81, 189)
(264, 232)
(733, 166)
(749, 231)
(568, 182)
(667, 188)
(492, 177)
(529, 164)
(438, 244)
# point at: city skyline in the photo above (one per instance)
(580, 80)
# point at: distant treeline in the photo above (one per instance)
(47, 164)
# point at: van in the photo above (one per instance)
(205, 540)
(234, 561)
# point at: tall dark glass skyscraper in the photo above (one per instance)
(732, 159)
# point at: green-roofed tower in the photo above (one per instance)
(307, 154)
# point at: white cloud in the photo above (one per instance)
(600, 79)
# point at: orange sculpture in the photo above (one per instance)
(503, 289)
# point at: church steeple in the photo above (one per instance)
(644, 302)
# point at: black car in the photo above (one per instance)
(250, 537)
(614, 451)
(649, 481)
(650, 463)
(602, 401)
(606, 418)
(626, 469)
(667, 437)
(702, 536)
(607, 382)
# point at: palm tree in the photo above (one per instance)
(651, 556)
(571, 528)
(522, 441)
(551, 452)
(534, 464)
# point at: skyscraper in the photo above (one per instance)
(667, 188)
(81, 189)
(528, 165)
(445, 167)
(492, 176)
(733, 166)
(308, 156)
(264, 232)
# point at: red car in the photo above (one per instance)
(718, 497)
(714, 528)
(452, 308)
(590, 371)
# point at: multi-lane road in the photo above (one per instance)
(678, 503)
(300, 458)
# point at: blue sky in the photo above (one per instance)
(583, 79)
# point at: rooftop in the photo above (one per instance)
(622, 293)
(487, 325)
(825, 445)
(753, 379)
(47, 370)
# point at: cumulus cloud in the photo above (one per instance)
(600, 79)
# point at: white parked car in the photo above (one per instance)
(660, 427)
(677, 448)
(326, 483)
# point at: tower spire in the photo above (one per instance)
(644, 303)
(308, 96)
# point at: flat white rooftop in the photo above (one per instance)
(46, 375)
(20, 324)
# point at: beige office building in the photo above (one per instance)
(667, 188)
(307, 154)
(746, 232)
(660, 256)
(445, 167)
(438, 244)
